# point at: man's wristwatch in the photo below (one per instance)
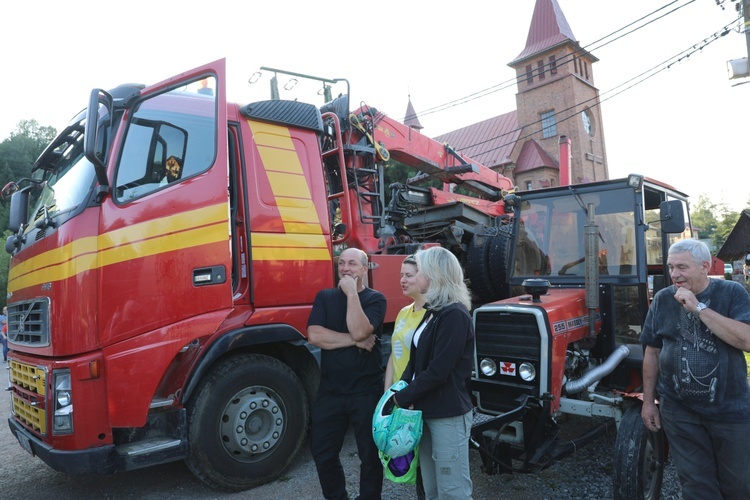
(701, 306)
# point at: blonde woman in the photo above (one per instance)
(438, 373)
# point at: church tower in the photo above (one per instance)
(557, 97)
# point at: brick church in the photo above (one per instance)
(556, 96)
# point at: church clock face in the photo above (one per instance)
(586, 118)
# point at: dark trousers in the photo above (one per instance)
(712, 458)
(331, 417)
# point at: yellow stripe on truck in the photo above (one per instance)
(175, 232)
(287, 179)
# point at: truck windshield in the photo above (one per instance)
(551, 235)
(68, 175)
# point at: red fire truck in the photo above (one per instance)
(166, 251)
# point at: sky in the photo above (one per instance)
(685, 125)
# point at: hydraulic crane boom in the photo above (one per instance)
(432, 158)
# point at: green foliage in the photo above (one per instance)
(713, 221)
(17, 156)
(703, 216)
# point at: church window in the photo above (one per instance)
(529, 74)
(540, 68)
(552, 65)
(549, 124)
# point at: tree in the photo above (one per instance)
(703, 216)
(17, 156)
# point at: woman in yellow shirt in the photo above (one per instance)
(407, 321)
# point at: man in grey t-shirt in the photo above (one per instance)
(694, 336)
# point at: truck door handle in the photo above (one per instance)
(213, 275)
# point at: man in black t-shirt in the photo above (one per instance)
(345, 323)
(694, 336)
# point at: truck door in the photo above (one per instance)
(164, 241)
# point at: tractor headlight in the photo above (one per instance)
(527, 371)
(488, 367)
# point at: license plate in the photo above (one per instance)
(25, 443)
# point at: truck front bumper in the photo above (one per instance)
(100, 460)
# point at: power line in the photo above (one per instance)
(627, 85)
(565, 60)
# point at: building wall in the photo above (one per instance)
(568, 93)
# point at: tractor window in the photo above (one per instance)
(170, 137)
(552, 235)
(627, 314)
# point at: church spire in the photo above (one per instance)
(411, 119)
(549, 28)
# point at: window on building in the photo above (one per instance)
(586, 69)
(540, 68)
(529, 74)
(552, 65)
(528, 185)
(549, 124)
(575, 65)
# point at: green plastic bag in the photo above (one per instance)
(402, 470)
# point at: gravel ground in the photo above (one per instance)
(584, 475)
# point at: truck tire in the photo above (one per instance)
(639, 459)
(499, 262)
(246, 422)
(478, 269)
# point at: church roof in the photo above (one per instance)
(549, 28)
(533, 156)
(490, 142)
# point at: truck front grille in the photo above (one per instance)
(28, 323)
(28, 396)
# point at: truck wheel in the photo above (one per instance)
(639, 459)
(478, 269)
(499, 262)
(246, 422)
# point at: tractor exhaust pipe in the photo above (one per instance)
(592, 264)
(598, 373)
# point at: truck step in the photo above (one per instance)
(148, 446)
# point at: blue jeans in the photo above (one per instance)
(444, 457)
(5, 348)
(712, 458)
(331, 417)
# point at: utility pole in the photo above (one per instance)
(739, 68)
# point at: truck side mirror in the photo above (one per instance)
(19, 209)
(95, 140)
(672, 216)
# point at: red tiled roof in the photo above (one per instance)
(533, 156)
(490, 142)
(548, 29)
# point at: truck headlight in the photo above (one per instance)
(527, 371)
(488, 367)
(62, 399)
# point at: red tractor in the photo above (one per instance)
(587, 258)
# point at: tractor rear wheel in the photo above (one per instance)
(639, 459)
